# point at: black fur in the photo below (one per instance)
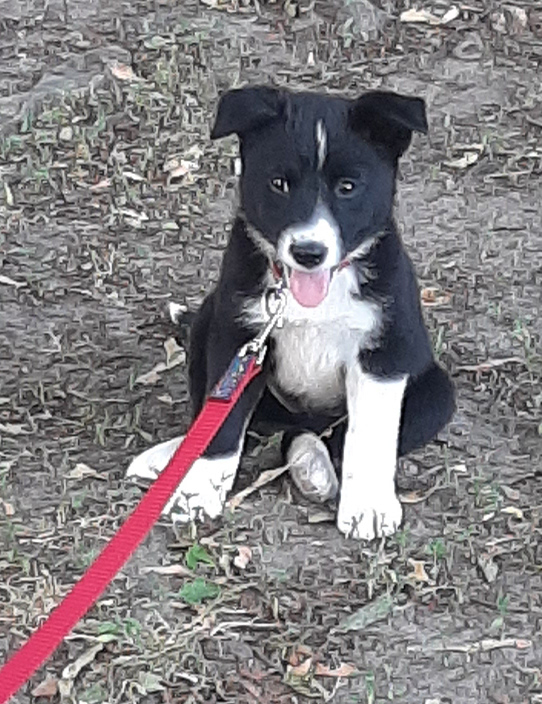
(365, 138)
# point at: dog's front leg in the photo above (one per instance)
(368, 505)
(202, 493)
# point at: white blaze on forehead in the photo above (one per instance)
(321, 143)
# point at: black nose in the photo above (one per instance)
(308, 254)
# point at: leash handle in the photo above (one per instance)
(43, 642)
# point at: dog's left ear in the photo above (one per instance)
(389, 119)
(245, 109)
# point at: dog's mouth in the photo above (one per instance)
(309, 288)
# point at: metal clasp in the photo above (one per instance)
(275, 303)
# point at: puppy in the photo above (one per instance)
(317, 193)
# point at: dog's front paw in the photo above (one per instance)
(202, 493)
(369, 517)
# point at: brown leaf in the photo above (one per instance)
(344, 670)
(123, 72)
(301, 670)
(419, 574)
(47, 688)
(80, 471)
(243, 557)
(104, 183)
(299, 654)
(8, 508)
(431, 297)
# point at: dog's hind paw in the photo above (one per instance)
(362, 519)
(202, 493)
(311, 468)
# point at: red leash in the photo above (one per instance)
(46, 639)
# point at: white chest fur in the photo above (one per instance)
(315, 346)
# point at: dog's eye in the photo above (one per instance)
(279, 184)
(345, 187)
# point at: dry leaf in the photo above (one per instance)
(416, 497)
(513, 511)
(10, 282)
(344, 670)
(13, 429)
(299, 654)
(419, 574)
(468, 159)
(414, 16)
(8, 508)
(301, 670)
(511, 494)
(370, 613)
(71, 671)
(179, 570)
(264, 478)
(489, 569)
(80, 471)
(104, 183)
(490, 364)
(123, 72)
(431, 297)
(243, 557)
(174, 354)
(9, 194)
(47, 688)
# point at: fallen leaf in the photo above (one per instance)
(510, 493)
(414, 16)
(9, 194)
(10, 282)
(367, 615)
(513, 511)
(104, 183)
(8, 508)
(299, 654)
(301, 670)
(489, 569)
(176, 569)
(47, 688)
(243, 557)
(263, 479)
(430, 296)
(419, 574)
(123, 72)
(321, 517)
(463, 162)
(13, 429)
(416, 497)
(344, 670)
(81, 471)
(174, 354)
(150, 682)
(71, 671)
(491, 364)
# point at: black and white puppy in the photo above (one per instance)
(317, 193)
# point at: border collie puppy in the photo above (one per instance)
(317, 193)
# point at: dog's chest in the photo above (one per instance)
(314, 346)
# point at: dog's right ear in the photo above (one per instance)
(245, 109)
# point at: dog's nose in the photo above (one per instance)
(308, 254)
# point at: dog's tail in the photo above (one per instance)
(182, 318)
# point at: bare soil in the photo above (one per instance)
(113, 201)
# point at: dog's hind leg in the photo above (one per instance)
(428, 405)
(311, 467)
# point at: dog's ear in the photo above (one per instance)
(389, 119)
(245, 109)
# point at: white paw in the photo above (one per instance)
(202, 493)
(369, 517)
(311, 468)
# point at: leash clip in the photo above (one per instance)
(275, 303)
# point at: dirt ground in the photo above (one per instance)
(114, 201)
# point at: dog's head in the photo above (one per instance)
(318, 174)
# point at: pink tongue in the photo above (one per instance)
(309, 289)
